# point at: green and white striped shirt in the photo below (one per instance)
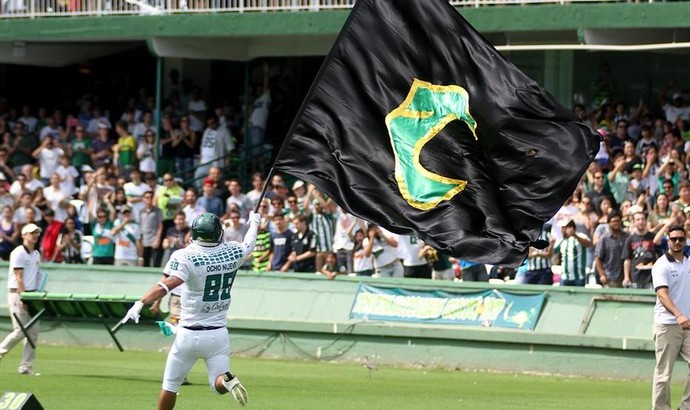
(573, 258)
(540, 262)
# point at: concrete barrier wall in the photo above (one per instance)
(598, 332)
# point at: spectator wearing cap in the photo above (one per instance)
(102, 153)
(637, 185)
(572, 249)
(97, 118)
(237, 197)
(129, 250)
(23, 275)
(299, 189)
(88, 193)
(676, 108)
(215, 178)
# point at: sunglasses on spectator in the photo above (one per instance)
(167, 179)
(676, 238)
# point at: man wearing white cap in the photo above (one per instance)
(23, 276)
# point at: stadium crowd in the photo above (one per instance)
(88, 176)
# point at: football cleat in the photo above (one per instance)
(234, 386)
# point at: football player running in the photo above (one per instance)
(208, 268)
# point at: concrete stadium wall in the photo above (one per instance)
(593, 332)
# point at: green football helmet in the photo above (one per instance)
(207, 229)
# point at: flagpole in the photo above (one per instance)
(263, 190)
(307, 98)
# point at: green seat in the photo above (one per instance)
(85, 296)
(67, 307)
(111, 297)
(32, 295)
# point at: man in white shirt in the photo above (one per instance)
(238, 198)
(677, 108)
(414, 265)
(23, 276)
(671, 279)
(385, 251)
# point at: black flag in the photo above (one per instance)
(416, 123)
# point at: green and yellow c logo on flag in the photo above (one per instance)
(427, 109)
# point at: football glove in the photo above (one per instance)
(254, 218)
(134, 312)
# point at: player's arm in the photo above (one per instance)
(19, 275)
(156, 306)
(250, 237)
(157, 292)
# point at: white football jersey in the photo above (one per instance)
(208, 273)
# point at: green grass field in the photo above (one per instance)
(87, 378)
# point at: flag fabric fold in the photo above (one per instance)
(416, 123)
